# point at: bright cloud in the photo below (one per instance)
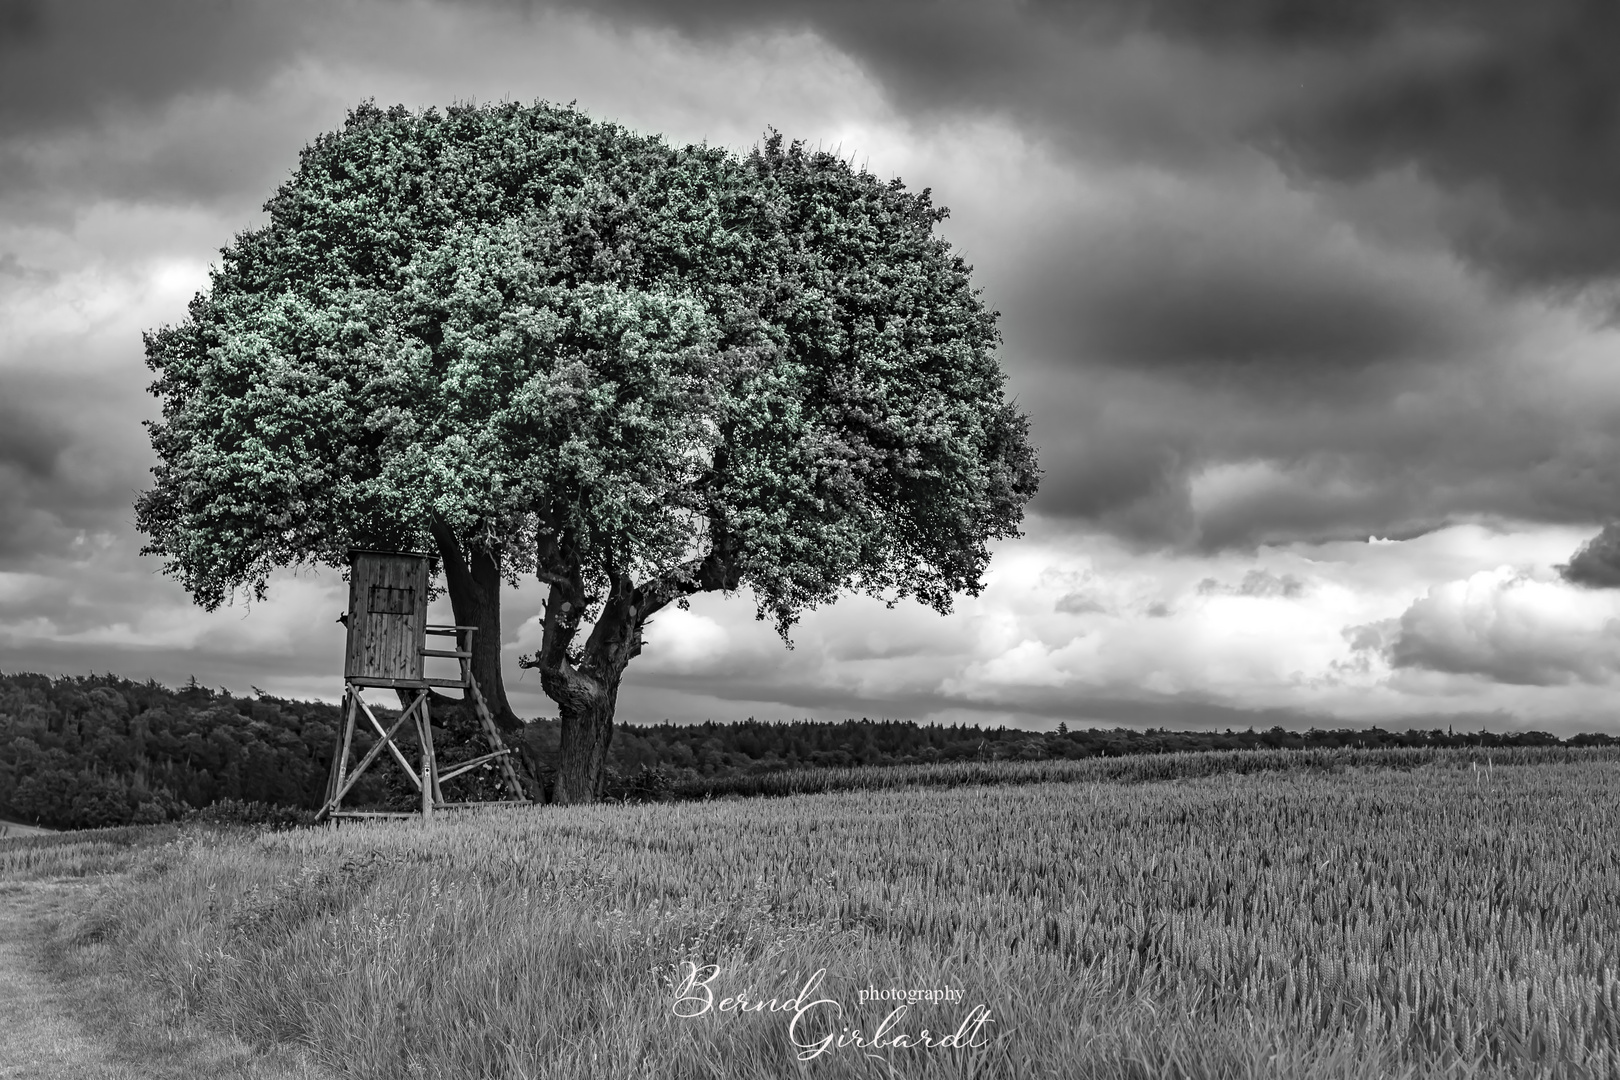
(1507, 626)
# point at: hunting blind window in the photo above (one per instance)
(390, 601)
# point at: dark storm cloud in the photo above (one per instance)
(29, 444)
(1208, 276)
(1596, 564)
(161, 102)
(1209, 468)
(1105, 461)
(66, 65)
(1170, 307)
(1056, 67)
(1328, 333)
(1522, 102)
(1203, 330)
(1517, 105)
(72, 456)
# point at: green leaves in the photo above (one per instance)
(528, 323)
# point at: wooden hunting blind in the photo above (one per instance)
(386, 648)
(388, 600)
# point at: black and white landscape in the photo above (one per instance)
(1311, 305)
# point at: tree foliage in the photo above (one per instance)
(636, 371)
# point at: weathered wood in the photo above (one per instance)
(494, 733)
(335, 799)
(468, 766)
(371, 755)
(388, 586)
(372, 814)
(365, 763)
(424, 728)
(399, 755)
(337, 756)
(433, 754)
(464, 643)
(387, 615)
(405, 684)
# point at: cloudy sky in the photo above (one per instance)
(1313, 305)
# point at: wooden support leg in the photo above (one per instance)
(438, 780)
(386, 740)
(337, 757)
(432, 751)
(340, 767)
(425, 728)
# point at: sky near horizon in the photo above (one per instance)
(1312, 306)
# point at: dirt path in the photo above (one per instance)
(93, 1025)
(39, 1033)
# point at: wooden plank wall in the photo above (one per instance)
(387, 616)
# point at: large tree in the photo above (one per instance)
(545, 344)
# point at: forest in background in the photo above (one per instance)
(98, 750)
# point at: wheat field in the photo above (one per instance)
(1448, 919)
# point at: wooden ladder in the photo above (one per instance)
(428, 782)
(502, 753)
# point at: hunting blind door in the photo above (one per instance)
(388, 598)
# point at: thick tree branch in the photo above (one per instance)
(456, 574)
(557, 565)
(616, 637)
(718, 571)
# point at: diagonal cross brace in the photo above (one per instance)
(468, 766)
(388, 736)
(387, 739)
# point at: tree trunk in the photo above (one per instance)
(585, 685)
(474, 579)
(587, 730)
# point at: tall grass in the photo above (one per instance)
(77, 854)
(1425, 922)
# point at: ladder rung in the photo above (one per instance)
(447, 652)
(468, 766)
(373, 814)
(446, 631)
(406, 684)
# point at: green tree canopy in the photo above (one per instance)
(546, 344)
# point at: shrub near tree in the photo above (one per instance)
(536, 343)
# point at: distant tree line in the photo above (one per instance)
(96, 750)
(100, 750)
(647, 761)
